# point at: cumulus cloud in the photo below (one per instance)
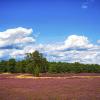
(12, 37)
(78, 41)
(15, 40)
(74, 49)
(19, 41)
(73, 42)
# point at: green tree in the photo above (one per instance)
(11, 65)
(3, 66)
(38, 62)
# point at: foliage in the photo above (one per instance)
(36, 71)
(58, 67)
(36, 63)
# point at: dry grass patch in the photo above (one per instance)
(32, 77)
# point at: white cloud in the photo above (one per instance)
(74, 49)
(13, 41)
(16, 36)
(24, 40)
(72, 42)
(19, 41)
(20, 31)
(77, 41)
(87, 3)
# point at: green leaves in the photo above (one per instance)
(38, 62)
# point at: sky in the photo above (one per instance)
(63, 30)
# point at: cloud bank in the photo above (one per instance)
(74, 49)
(19, 41)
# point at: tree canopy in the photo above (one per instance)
(35, 63)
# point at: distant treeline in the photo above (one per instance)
(35, 63)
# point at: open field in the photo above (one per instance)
(83, 86)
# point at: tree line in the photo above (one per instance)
(36, 63)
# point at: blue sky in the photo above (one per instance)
(53, 20)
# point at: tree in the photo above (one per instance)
(37, 61)
(21, 66)
(3, 66)
(11, 65)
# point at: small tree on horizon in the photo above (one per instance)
(38, 62)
